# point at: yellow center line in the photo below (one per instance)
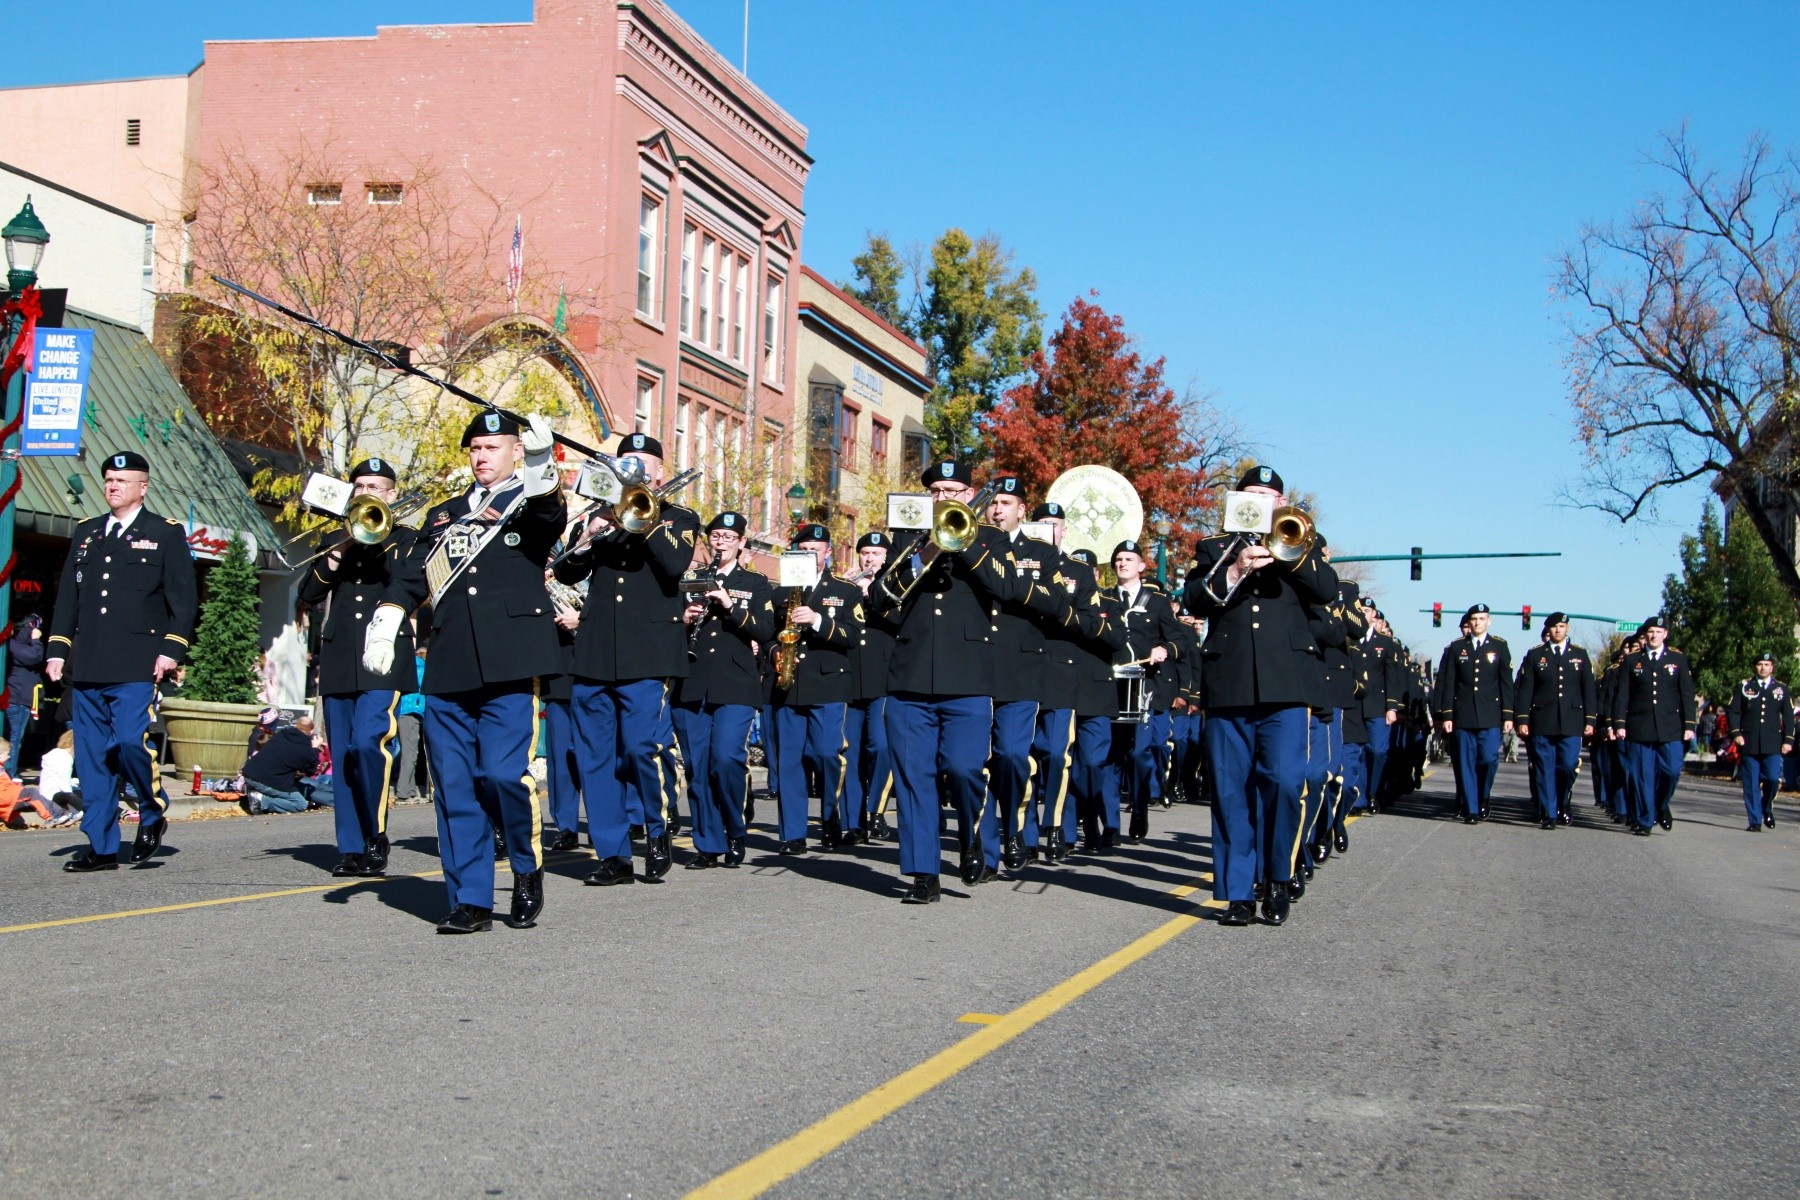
(169, 908)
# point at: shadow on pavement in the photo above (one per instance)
(420, 898)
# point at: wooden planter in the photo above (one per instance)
(208, 735)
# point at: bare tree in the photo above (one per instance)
(1682, 342)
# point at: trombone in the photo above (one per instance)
(367, 521)
(636, 509)
(1292, 534)
(954, 528)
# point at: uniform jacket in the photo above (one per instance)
(944, 641)
(1187, 669)
(1149, 620)
(1654, 700)
(1332, 636)
(1474, 687)
(495, 624)
(1259, 649)
(724, 670)
(873, 652)
(1384, 677)
(822, 667)
(1080, 650)
(1762, 715)
(631, 626)
(1556, 694)
(122, 602)
(1019, 630)
(366, 577)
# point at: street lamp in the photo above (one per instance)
(797, 503)
(25, 238)
(1162, 527)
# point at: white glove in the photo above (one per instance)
(378, 642)
(539, 440)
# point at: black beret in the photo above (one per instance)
(373, 466)
(640, 443)
(1380, 616)
(126, 460)
(1084, 556)
(813, 532)
(875, 539)
(1007, 485)
(1473, 609)
(1127, 546)
(946, 470)
(1349, 589)
(1766, 657)
(1048, 510)
(1261, 477)
(1556, 618)
(490, 424)
(1655, 622)
(732, 521)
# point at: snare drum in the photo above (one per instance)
(1134, 694)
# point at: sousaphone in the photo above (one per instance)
(1100, 509)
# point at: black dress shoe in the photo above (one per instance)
(561, 841)
(657, 859)
(1546, 823)
(982, 874)
(1665, 818)
(1471, 819)
(87, 860)
(1769, 821)
(734, 852)
(1618, 818)
(466, 918)
(1753, 827)
(350, 864)
(148, 840)
(1481, 814)
(673, 823)
(701, 862)
(1139, 828)
(1341, 840)
(881, 830)
(1238, 912)
(613, 871)
(1275, 908)
(1321, 852)
(1014, 856)
(1641, 830)
(1306, 864)
(791, 848)
(852, 837)
(528, 899)
(1563, 818)
(499, 846)
(925, 890)
(1054, 849)
(375, 860)
(1109, 839)
(1297, 885)
(1259, 891)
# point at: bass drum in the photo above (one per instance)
(1100, 509)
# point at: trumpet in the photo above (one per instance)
(1292, 535)
(954, 528)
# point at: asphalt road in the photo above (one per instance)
(1453, 1011)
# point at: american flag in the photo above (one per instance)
(515, 264)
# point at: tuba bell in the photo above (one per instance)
(1291, 533)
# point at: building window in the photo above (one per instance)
(723, 316)
(687, 278)
(772, 330)
(386, 193)
(700, 457)
(878, 446)
(649, 218)
(846, 436)
(703, 331)
(134, 131)
(682, 406)
(646, 419)
(739, 303)
(325, 193)
(771, 451)
(918, 446)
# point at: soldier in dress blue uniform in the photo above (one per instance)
(562, 766)
(1152, 640)
(1761, 716)
(941, 684)
(1383, 687)
(493, 635)
(716, 703)
(1188, 755)
(363, 584)
(1653, 716)
(1555, 705)
(632, 641)
(124, 613)
(809, 716)
(1020, 687)
(869, 782)
(1082, 738)
(1473, 704)
(1325, 738)
(1260, 670)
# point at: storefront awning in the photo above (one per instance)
(133, 403)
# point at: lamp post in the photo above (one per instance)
(796, 507)
(25, 238)
(1162, 552)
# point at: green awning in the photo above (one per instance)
(133, 403)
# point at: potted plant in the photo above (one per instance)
(209, 723)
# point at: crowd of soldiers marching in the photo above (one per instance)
(977, 683)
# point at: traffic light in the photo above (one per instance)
(1437, 615)
(1418, 568)
(1524, 616)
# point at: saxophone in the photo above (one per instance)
(787, 646)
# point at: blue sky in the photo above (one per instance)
(1338, 218)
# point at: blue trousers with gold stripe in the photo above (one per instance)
(562, 773)
(1258, 758)
(111, 723)
(869, 783)
(1009, 775)
(1761, 775)
(479, 744)
(618, 732)
(1054, 750)
(1476, 757)
(1162, 751)
(936, 736)
(715, 744)
(360, 729)
(812, 733)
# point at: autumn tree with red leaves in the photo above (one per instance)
(1092, 398)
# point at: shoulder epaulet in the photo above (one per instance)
(750, 569)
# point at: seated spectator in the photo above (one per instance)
(280, 773)
(56, 779)
(15, 795)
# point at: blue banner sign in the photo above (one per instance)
(56, 391)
